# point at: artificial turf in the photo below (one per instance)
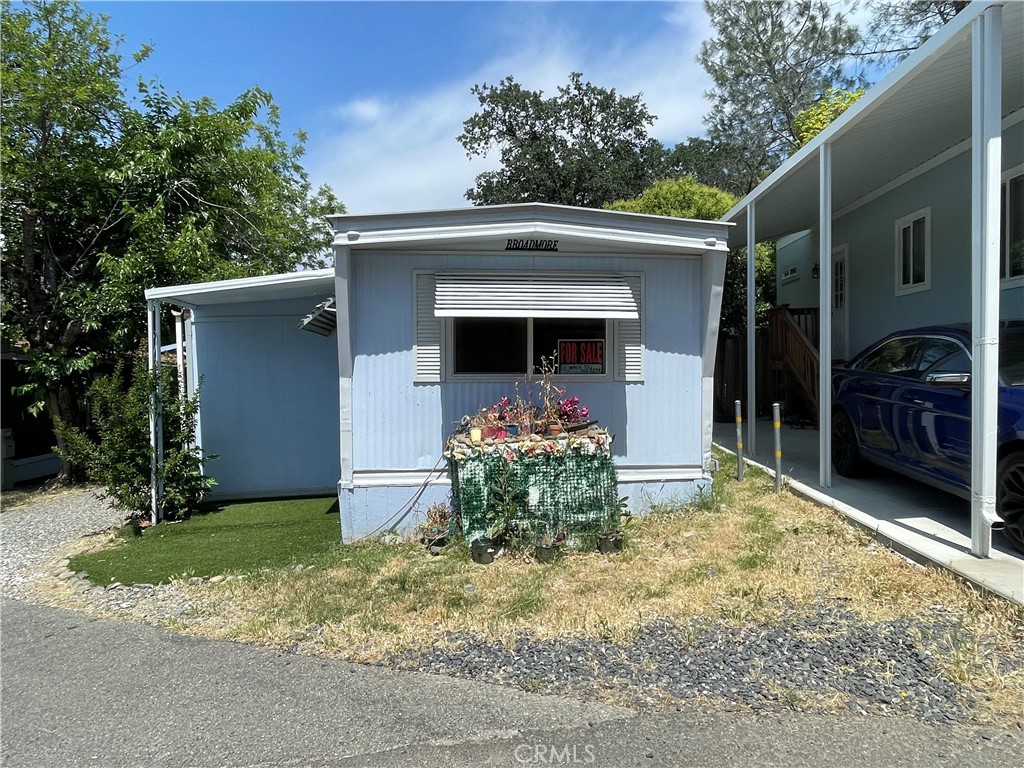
(226, 539)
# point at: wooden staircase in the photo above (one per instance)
(793, 359)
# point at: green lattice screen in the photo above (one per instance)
(565, 485)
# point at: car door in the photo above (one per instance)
(878, 380)
(935, 412)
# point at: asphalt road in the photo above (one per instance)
(83, 692)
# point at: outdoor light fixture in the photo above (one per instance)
(815, 271)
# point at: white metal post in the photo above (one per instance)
(156, 430)
(986, 86)
(825, 316)
(751, 335)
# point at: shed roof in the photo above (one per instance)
(293, 285)
(919, 113)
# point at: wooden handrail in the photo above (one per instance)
(792, 344)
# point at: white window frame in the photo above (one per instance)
(903, 289)
(449, 358)
(1004, 221)
(626, 365)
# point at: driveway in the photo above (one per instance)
(78, 691)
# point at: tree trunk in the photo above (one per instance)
(64, 410)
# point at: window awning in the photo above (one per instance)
(520, 294)
(322, 320)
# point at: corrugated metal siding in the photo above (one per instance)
(269, 398)
(399, 424)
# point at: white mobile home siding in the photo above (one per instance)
(400, 424)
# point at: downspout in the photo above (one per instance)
(156, 427)
(825, 315)
(179, 349)
(986, 162)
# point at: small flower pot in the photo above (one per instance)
(545, 554)
(475, 434)
(609, 543)
(435, 544)
(482, 551)
(554, 430)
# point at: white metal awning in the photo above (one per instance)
(533, 294)
(322, 320)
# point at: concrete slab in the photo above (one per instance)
(921, 522)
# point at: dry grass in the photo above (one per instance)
(745, 555)
(37, 493)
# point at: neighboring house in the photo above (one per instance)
(915, 197)
(430, 316)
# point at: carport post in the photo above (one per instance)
(156, 427)
(825, 315)
(751, 335)
(986, 163)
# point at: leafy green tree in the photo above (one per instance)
(817, 117)
(729, 167)
(102, 199)
(769, 61)
(119, 458)
(689, 199)
(585, 146)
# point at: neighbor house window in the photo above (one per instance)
(1011, 241)
(913, 252)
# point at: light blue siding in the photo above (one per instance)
(401, 425)
(269, 399)
(875, 309)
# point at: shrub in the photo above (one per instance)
(120, 456)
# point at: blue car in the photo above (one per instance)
(905, 403)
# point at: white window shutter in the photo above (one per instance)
(429, 331)
(629, 338)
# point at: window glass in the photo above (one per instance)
(1012, 234)
(1011, 358)
(493, 345)
(912, 251)
(897, 356)
(581, 345)
(933, 350)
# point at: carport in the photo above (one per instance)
(963, 85)
(924, 524)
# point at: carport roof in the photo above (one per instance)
(293, 285)
(920, 112)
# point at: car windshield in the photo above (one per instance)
(1011, 359)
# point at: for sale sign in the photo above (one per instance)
(584, 356)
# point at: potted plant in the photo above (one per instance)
(548, 546)
(519, 416)
(436, 526)
(612, 534)
(550, 410)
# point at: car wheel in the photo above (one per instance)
(1010, 497)
(845, 450)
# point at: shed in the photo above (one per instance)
(436, 314)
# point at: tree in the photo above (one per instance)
(769, 61)
(689, 199)
(102, 200)
(684, 198)
(817, 117)
(728, 167)
(586, 146)
(899, 27)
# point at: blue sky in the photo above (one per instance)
(382, 88)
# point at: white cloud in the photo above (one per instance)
(393, 153)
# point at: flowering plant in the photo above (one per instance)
(494, 416)
(571, 412)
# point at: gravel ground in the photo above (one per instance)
(32, 534)
(826, 660)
